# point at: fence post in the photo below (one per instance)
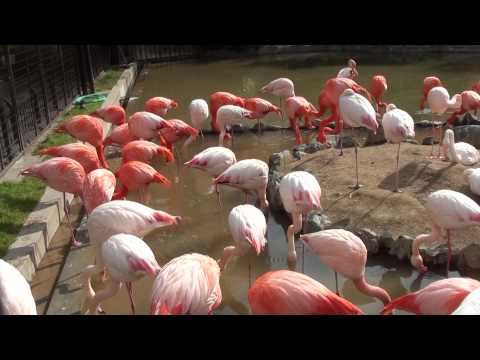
(60, 55)
(13, 95)
(34, 96)
(44, 86)
(90, 75)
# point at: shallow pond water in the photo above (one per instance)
(206, 227)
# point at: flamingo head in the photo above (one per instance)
(174, 104)
(389, 107)
(352, 64)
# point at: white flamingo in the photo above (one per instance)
(250, 175)
(15, 294)
(397, 126)
(349, 72)
(188, 284)
(229, 115)
(448, 210)
(470, 305)
(356, 111)
(145, 125)
(300, 193)
(127, 258)
(460, 152)
(473, 176)
(281, 87)
(199, 112)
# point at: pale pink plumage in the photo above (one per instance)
(98, 188)
(213, 160)
(356, 111)
(470, 305)
(119, 136)
(198, 109)
(229, 115)
(145, 125)
(282, 87)
(15, 294)
(397, 125)
(144, 151)
(439, 100)
(460, 152)
(473, 176)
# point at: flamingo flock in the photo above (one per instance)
(190, 283)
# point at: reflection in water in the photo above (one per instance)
(205, 226)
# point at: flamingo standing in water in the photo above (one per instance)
(397, 126)
(428, 84)
(260, 108)
(441, 297)
(297, 107)
(470, 305)
(250, 175)
(198, 109)
(460, 152)
(136, 176)
(64, 175)
(378, 86)
(439, 102)
(300, 193)
(160, 105)
(248, 228)
(119, 136)
(88, 129)
(144, 151)
(356, 111)
(126, 258)
(285, 292)
(229, 115)
(178, 130)
(448, 210)
(145, 125)
(114, 114)
(219, 99)
(345, 253)
(349, 72)
(470, 101)
(473, 176)
(281, 87)
(15, 294)
(85, 154)
(214, 161)
(188, 284)
(98, 188)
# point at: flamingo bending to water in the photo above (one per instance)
(281, 87)
(260, 108)
(114, 114)
(297, 107)
(349, 72)
(470, 305)
(145, 125)
(219, 99)
(144, 151)
(199, 112)
(229, 115)
(460, 152)
(160, 105)
(98, 188)
(85, 154)
(378, 86)
(15, 294)
(119, 136)
(178, 130)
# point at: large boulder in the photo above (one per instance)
(370, 239)
(469, 257)
(402, 248)
(316, 222)
(468, 133)
(467, 119)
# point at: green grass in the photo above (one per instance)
(108, 80)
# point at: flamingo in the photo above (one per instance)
(476, 87)
(188, 284)
(460, 152)
(378, 86)
(297, 107)
(85, 154)
(120, 136)
(198, 109)
(470, 305)
(88, 129)
(285, 292)
(439, 102)
(356, 111)
(300, 193)
(441, 297)
(98, 188)
(281, 87)
(260, 108)
(345, 253)
(114, 114)
(15, 294)
(397, 126)
(473, 176)
(448, 210)
(219, 99)
(214, 161)
(228, 115)
(160, 105)
(428, 84)
(144, 151)
(146, 126)
(177, 131)
(248, 228)
(136, 176)
(247, 175)
(470, 101)
(61, 174)
(350, 71)
(127, 258)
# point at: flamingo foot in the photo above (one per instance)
(76, 243)
(397, 191)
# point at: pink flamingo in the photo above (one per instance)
(85, 154)
(441, 297)
(473, 177)
(88, 129)
(188, 284)
(198, 109)
(136, 176)
(345, 253)
(119, 136)
(349, 72)
(428, 84)
(98, 188)
(378, 86)
(214, 161)
(15, 294)
(300, 193)
(250, 175)
(356, 111)
(126, 258)
(460, 152)
(297, 107)
(470, 101)
(146, 126)
(248, 228)
(281, 87)
(397, 126)
(448, 210)
(144, 151)
(470, 305)
(178, 130)
(229, 115)
(476, 87)
(219, 99)
(114, 114)
(64, 175)
(260, 108)
(160, 105)
(285, 292)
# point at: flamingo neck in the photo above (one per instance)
(292, 254)
(371, 290)
(89, 292)
(416, 259)
(452, 151)
(228, 253)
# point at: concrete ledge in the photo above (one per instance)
(41, 225)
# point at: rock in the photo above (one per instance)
(427, 124)
(469, 257)
(469, 134)
(238, 128)
(313, 147)
(298, 155)
(385, 241)
(81, 232)
(370, 239)
(402, 247)
(428, 141)
(264, 127)
(347, 142)
(412, 141)
(467, 119)
(376, 139)
(435, 255)
(273, 193)
(315, 221)
(275, 161)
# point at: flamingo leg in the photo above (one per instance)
(397, 175)
(129, 287)
(203, 138)
(303, 257)
(449, 252)
(336, 284)
(66, 209)
(357, 185)
(259, 127)
(339, 136)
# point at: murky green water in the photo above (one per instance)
(207, 231)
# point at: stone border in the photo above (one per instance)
(41, 225)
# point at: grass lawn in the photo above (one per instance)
(17, 200)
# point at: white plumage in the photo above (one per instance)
(248, 227)
(346, 72)
(15, 294)
(473, 176)
(460, 152)
(198, 109)
(470, 305)
(300, 192)
(229, 115)
(213, 160)
(282, 87)
(439, 100)
(145, 125)
(397, 124)
(356, 111)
